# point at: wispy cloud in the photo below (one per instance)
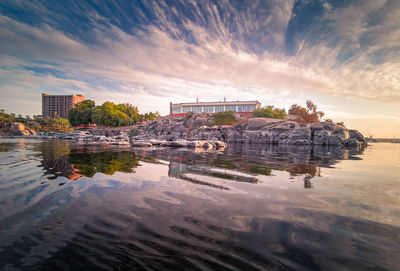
(204, 49)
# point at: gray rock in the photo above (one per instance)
(356, 135)
(259, 123)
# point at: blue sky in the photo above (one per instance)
(343, 55)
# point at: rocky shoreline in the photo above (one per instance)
(195, 131)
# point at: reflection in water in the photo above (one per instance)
(58, 159)
(241, 163)
(180, 209)
(108, 163)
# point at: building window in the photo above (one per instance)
(230, 108)
(219, 108)
(176, 110)
(186, 109)
(196, 109)
(246, 108)
(209, 109)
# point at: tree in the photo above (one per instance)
(270, 112)
(131, 111)
(108, 114)
(309, 114)
(82, 112)
(150, 116)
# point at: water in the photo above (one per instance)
(71, 207)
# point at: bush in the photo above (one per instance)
(270, 112)
(309, 114)
(134, 132)
(224, 118)
(189, 115)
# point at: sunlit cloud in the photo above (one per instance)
(278, 52)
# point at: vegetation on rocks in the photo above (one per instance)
(341, 123)
(133, 132)
(224, 118)
(6, 118)
(270, 112)
(309, 113)
(56, 124)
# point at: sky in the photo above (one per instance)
(343, 55)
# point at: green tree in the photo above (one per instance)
(107, 114)
(150, 116)
(82, 112)
(270, 112)
(131, 111)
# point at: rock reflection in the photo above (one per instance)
(238, 163)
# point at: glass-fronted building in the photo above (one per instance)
(214, 107)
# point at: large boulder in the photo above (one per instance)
(301, 135)
(356, 135)
(338, 136)
(231, 134)
(205, 132)
(259, 123)
(18, 129)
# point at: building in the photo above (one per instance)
(214, 107)
(59, 104)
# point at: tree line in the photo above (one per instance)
(307, 114)
(107, 114)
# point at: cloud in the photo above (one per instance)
(205, 49)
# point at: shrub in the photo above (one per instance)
(134, 132)
(309, 114)
(270, 112)
(224, 118)
(189, 115)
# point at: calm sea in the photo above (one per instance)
(74, 207)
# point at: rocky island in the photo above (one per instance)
(196, 130)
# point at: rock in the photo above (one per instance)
(18, 129)
(354, 134)
(156, 141)
(120, 143)
(321, 137)
(207, 145)
(218, 144)
(194, 131)
(338, 136)
(176, 143)
(301, 135)
(231, 134)
(353, 142)
(295, 118)
(259, 123)
(141, 144)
